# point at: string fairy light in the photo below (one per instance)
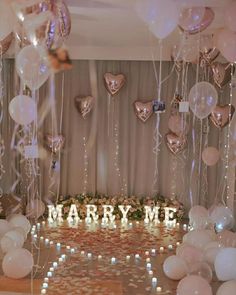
(85, 186)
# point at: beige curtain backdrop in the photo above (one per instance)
(120, 158)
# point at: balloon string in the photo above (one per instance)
(200, 160)
(108, 113)
(156, 149)
(160, 71)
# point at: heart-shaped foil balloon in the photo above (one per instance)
(175, 143)
(221, 73)
(209, 55)
(114, 83)
(222, 115)
(84, 105)
(143, 110)
(54, 143)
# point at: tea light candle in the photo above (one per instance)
(43, 291)
(68, 247)
(99, 257)
(55, 264)
(46, 280)
(153, 251)
(63, 256)
(161, 249)
(43, 222)
(82, 252)
(159, 289)
(170, 247)
(72, 250)
(45, 285)
(58, 245)
(46, 241)
(148, 259)
(150, 272)
(51, 269)
(35, 236)
(49, 274)
(137, 256)
(89, 255)
(113, 260)
(60, 260)
(128, 257)
(146, 253)
(51, 243)
(149, 265)
(41, 238)
(154, 281)
(177, 244)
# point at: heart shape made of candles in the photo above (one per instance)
(221, 73)
(143, 110)
(84, 105)
(54, 143)
(222, 115)
(114, 83)
(175, 143)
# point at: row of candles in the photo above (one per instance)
(71, 250)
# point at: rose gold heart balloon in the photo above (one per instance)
(175, 143)
(143, 110)
(54, 143)
(6, 43)
(207, 19)
(222, 115)
(209, 55)
(221, 73)
(114, 83)
(84, 105)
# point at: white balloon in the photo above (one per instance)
(167, 19)
(175, 267)
(7, 244)
(32, 66)
(197, 238)
(225, 264)
(6, 19)
(21, 221)
(4, 227)
(203, 98)
(16, 236)
(148, 11)
(222, 217)
(228, 288)
(17, 263)
(198, 217)
(22, 109)
(21, 231)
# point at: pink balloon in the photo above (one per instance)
(226, 43)
(230, 12)
(201, 269)
(190, 17)
(198, 217)
(192, 285)
(227, 238)
(210, 156)
(189, 253)
(175, 267)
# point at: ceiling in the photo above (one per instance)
(111, 29)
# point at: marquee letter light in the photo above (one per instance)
(151, 214)
(124, 210)
(73, 214)
(107, 214)
(55, 213)
(91, 214)
(169, 214)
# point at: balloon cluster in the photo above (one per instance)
(204, 251)
(162, 17)
(17, 262)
